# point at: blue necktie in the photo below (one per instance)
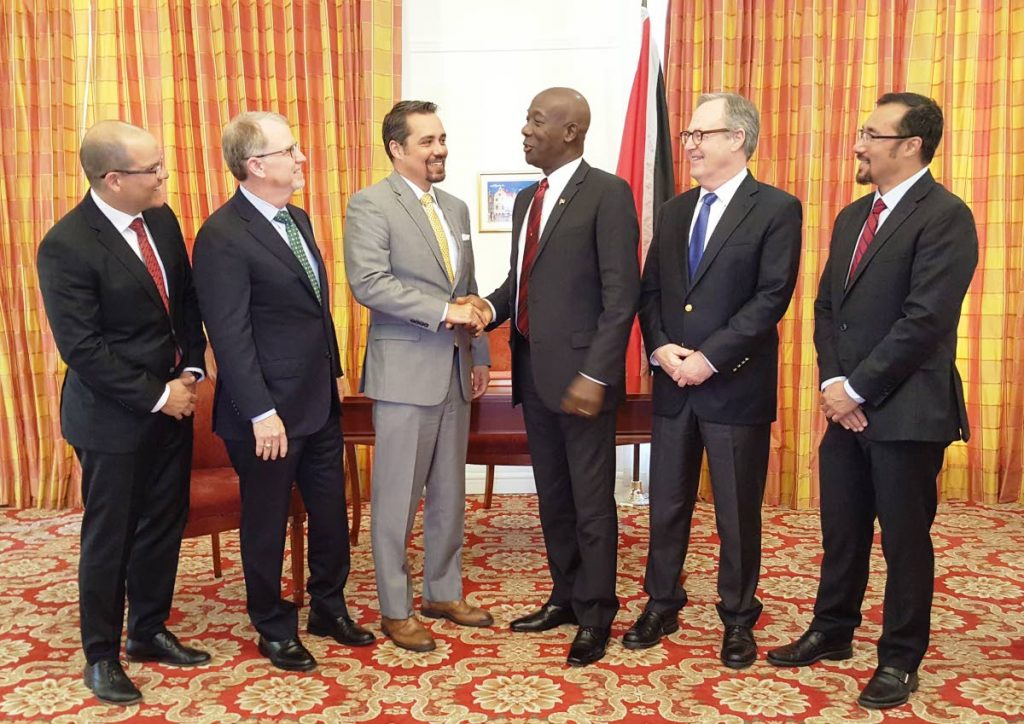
(700, 230)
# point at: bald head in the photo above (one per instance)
(556, 128)
(108, 145)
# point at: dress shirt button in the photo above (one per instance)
(842, 327)
(688, 308)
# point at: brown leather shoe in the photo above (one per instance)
(407, 633)
(458, 612)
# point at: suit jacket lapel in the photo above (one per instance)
(411, 204)
(301, 221)
(906, 207)
(265, 233)
(111, 239)
(451, 217)
(742, 202)
(560, 206)
(163, 240)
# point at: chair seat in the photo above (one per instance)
(214, 493)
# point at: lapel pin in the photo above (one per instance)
(561, 201)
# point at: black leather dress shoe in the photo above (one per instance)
(107, 680)
(888, 687)
(289, 654)
(342, 629)
(812, 646)
(549, 616)
(648, 630)
(738, 648)
(165, 648)
(588, 646)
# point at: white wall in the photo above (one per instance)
(482, 63)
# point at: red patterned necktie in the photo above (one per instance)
(529, 254)
(866, 236)
(153, 267)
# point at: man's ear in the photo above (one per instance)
(572, 132)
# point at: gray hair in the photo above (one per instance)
(740, 113)
(243, 138)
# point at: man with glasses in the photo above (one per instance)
(117, 288)
(885, 330)
(719, 276)
(265, 297)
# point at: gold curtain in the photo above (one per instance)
(815, 68)
(181, 70)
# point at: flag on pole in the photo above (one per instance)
(645, 160)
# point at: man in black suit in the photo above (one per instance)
(118, 292)
(719, 276)
(885, 323)
(264, 293)
(571, 291)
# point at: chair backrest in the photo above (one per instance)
(208, 449)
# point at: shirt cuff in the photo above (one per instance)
(593, 380)
(269, 413)
(493, 313)
(444, 312)
(163, 399)
(200, 375)
(713, 368)
(846, 386)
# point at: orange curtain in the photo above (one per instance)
(815, 68)
(181, 70)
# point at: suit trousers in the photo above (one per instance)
(895, 481)
(315, 464)
(419, 447)
(574, 470)
(738, 462)
(136, 505)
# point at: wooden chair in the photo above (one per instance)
(215, 504)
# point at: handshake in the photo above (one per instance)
(470, 312)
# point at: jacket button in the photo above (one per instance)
(688, 308)
(842, 327)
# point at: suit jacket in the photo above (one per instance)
(111, 327)
(892, 331)
(395, 269)
(275, 344)
(731, 309)
(583, 286)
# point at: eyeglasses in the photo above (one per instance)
(136, 171)
(698, 135)
(868, 136)
(292, 150)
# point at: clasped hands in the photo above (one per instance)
(842, 409)
(470, 312)
(181, 402)
(685, 366)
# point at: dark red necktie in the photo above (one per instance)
(866, 236)
(153, 267)
(529, 254)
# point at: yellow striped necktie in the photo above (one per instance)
(442, 241)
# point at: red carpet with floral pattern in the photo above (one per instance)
(974, 670)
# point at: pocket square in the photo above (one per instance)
(465, 237)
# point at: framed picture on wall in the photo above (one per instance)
(497, 193)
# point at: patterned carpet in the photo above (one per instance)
(974, 670)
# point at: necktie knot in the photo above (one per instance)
(427, 200)
(879, 207)
(137, 225)
(543, 184)
(283, 217)
(709, 199)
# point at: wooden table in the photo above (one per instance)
(497, 435)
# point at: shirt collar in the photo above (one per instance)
(727, 190)
(420, 193)
(266, 209)
(558, 178)
(118, 218)
(894, 195)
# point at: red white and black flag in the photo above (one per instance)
(645, 160)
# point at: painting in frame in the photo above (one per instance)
(497, 194)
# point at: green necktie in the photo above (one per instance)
(295, 243)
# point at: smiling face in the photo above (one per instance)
(886, 162)
(720, 155)
(421, 159)
(143, 189)
(555, 128)
(282, 171)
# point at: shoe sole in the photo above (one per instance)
(430, 613)
(165, 662)
(738, 665)
(532, 629)
(317, 631)
(578, 663)
(119, 702)
(418, 649)
(287, 667)
(638, 645)
(869, 704)
(836, 655)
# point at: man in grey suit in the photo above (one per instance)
(408, 257)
